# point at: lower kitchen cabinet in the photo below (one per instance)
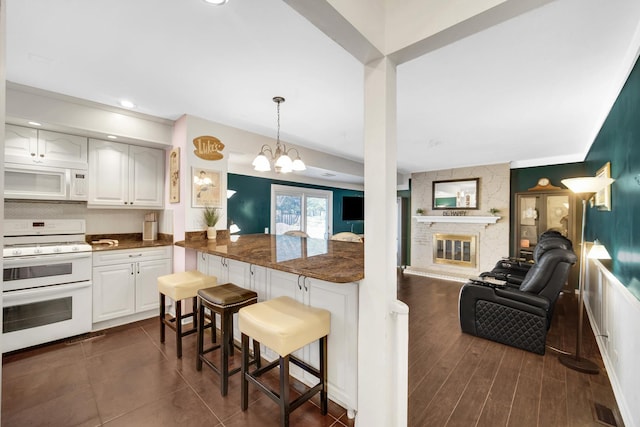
(340, 299)
(125, 281)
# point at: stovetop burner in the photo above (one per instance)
(44, 237)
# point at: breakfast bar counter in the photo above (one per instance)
(319, 273)
(328, 260)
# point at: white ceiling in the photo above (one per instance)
(532, 90)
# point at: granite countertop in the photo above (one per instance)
(328, 260)
(127, 241)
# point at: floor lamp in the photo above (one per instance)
(585, 188)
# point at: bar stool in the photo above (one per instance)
(180, 286)
(284, 325)
(223, 300)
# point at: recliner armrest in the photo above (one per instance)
(524, 297)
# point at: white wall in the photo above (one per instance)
(614, 314)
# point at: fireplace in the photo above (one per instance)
(455, 249)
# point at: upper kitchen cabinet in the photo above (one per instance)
(125, 176)
(42, 147)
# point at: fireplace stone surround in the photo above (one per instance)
(491, 232)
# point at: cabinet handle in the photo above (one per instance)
(132, 269)
(135, 255)
(304, 282)
(138, 267)
(202, 255)
(126, 203)
(251, 269)
(33, 154)
(42, 155)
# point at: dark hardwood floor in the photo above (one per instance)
(125, 377)
(459, 380)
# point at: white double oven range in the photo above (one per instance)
(47, 291)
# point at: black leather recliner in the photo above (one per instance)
(515, 270)
(519, 317)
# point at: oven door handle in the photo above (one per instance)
(10, 297)
(40, 259)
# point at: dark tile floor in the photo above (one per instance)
(125, 377)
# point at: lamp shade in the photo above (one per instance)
(261, 163)
(233, 228)
(587, 184)
(298, 165)
(598, 251)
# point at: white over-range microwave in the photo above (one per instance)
(44, 182)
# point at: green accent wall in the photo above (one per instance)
(250, 206)
(526, 178)
(619, 142)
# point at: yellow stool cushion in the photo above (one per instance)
(284, 324)
(179, 286)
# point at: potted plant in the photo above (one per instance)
(494, 211)
(211, 217)
(419, 211)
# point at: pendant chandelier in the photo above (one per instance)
(280, 156)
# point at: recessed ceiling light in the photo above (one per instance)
(127, 104)
(216, 2)
(35, 123)
(112, 137)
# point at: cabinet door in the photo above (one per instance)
(217, 266)
(20, 144)
(146, 177)
(147, 273)
(59, 149)
(109, 171)
(113, 291)
(238, 273)
(258, 281)
(202, 262)
(341, 299)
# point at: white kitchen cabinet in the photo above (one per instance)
(45, 148)
(125, 281)
(341, 299)
(123, 175)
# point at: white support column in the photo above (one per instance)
(377, 367)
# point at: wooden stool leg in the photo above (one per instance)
(256, 354)
(230, 332)
(179, 329)
(323, 374)
(284, 391)
(244, 369)
(200, 336)
(194, 318)
(224, 353)
(162, 315)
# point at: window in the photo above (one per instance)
(305, 209)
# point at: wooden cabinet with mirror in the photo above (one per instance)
(539, 211)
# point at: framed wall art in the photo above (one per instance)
(174, 175)
(602, 198)
(205, 188)
(456, 194)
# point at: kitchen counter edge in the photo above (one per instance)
(339, 274)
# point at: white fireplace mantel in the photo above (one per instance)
(463, 219)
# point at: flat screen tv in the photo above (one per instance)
(352, 208)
